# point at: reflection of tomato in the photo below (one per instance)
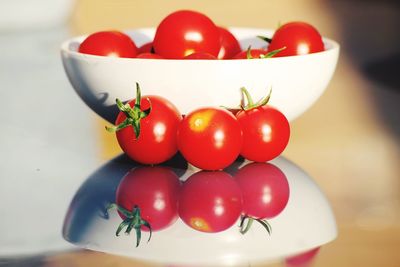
(210, 138)
(210, 201)
(109, 43)
(154, 190)
(299, 38)
(185, 32)
(265, 190)
(229, 44)
(156, 142)
(303, 259)
(266, 133)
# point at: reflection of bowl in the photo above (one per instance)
(296, 81)
(306, 222)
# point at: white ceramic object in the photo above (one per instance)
(296, 81)
(306, 222)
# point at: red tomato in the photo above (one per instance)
(149, 56)
(110, 44)
(303, 259)
(299, 38)
(156, 142)
(200, 55)
(265, 190)
(254, 53)
(266, 133)
(210, 138)
(155, 191)
(210, 201)
(146, 48)
(229, 44)
(185, 32)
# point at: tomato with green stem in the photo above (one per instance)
(257, 53)
(146, 128)
(210, 201)
(147, 200)
(110, 44)
(266, 130)
(265, 191)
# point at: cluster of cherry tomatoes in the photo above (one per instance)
(153, 198)
(150, 130)
(189, 34)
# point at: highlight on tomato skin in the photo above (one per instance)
(109, 44)
(210, 202)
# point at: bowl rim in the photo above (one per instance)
(330, 44)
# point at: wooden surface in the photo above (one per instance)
(347, 141)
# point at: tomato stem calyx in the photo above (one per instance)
(264, 38)
(133, 114)
(244, 228)
(266, 55)
(250, 103)
(133, 220)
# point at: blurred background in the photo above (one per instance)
(349, 141)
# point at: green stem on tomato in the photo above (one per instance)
(133, 114)
(244, 228)
(250, 104)
(132, 221)
(264, 38)
(273, 53)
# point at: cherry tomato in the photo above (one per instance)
(303, 259)
(146, 48)
(266, 133)
(265, 190)
(210, 201)
(185, 32)
(299, 38)
(254, 53)
(210, 138)
(229, 44)
(156, 142)
(155, 191)
(110, 44)
(200, 55)
(149, 56)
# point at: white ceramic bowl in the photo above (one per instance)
(306, 222)
(296, 81)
